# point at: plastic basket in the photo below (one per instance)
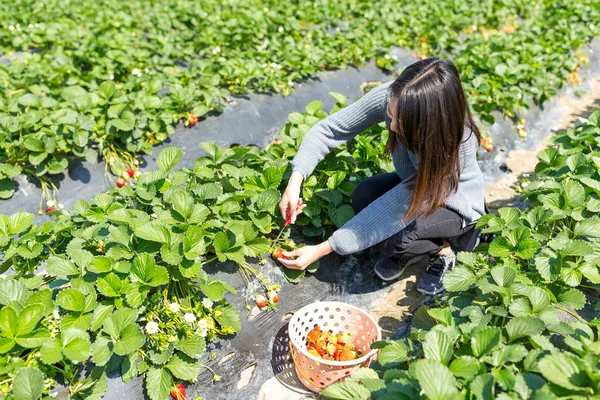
(314, 372)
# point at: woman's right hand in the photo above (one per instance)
(291, 201)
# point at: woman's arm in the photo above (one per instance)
(378, 221)
(325, 136)
(340, 127)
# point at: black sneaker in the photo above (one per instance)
(389, 268)
(431, 281)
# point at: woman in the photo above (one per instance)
(430, 204)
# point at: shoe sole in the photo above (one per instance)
(399, 274)
(430, 293)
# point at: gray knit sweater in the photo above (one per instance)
(383, 218)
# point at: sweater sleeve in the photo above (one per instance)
(340, 127)
(378, 221)
(383, 218)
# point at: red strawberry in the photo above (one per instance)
(192, 119)
(314, 334)
(273, 296)
(121, 182)
(261, 301)
(178, 392)
(278, 253)
(131, 172)
(321, 346)
(489, 148)
(50, 209)
(348, 354)
(313, 352)
(421, 57)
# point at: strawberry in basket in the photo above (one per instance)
(326, 345)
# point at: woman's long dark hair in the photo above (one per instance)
(431, 113)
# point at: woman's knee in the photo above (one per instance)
(361, 198)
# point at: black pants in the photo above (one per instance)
(424, 236)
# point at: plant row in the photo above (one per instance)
(110, 79)
(510, 325)
(117, 284)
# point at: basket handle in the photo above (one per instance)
(299, 370)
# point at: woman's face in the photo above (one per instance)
(391, 112)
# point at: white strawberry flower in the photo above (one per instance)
(174, 307)
(216, 50)
(56, 314)
(592, 27)
(189, 318)
(290, 83)
(387, 57)
(111, 77)
(151, 327)
(37, 25)
(265, 10)
(280, 29)
(352, 178)
(203, 323)
(30, 26)
(136, 72)
(61, 206)
(368, 173)
(395, 58)
(11, 28)
(206, 302)
(50, 203)
(202, 332)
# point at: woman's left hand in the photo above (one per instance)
(305, 255)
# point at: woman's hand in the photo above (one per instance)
(305, 255)
(291, 201)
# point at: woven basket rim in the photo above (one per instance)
(360, 360)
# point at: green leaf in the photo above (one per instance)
(394, 353)
(28, 384)
(340, 98)
(19, 222)
(314, 106)
(572, 298)
(76, 344)
(503, 276)
(565, 370)
(340, 215)
(520, 327)
(154, 231)
(484, 340)
(131, 339)
(158, 383)
(12, 290)
(194, 346)
(118, 321)
(144, 270)
(71, 299)
(184, 367)
(61, 268)
(459, 278)
(7, 188)
(575, 194)
(102, 350)
(539, 299)
(229, 317)
(51, 351)
(435, 379)
(438, 346)
(346, 390)
(465, 367)
(168, 158)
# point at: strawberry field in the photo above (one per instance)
(131, 284)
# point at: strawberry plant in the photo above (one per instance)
(110, 79)
(117, 284)
(501, 330)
